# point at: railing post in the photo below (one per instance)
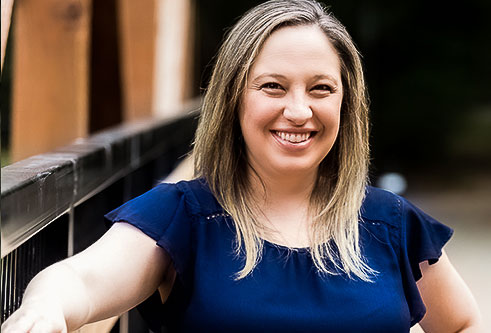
(124, 323)
(71, 228)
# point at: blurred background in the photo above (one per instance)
(75, 67)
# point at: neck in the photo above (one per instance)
(284, 206)
(275, 189)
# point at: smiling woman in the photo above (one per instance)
(289, 115)
(279, 231)
(283, 72)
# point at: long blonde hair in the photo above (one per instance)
(219, 149)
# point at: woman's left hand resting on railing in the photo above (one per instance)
(113, 275)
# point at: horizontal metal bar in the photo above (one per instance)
(38, 189)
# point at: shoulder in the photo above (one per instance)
(391, 209)
(197, 194)
(382, 206)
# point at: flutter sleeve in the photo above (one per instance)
(161, 213)
(422, 239)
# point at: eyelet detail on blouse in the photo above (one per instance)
(213, 216)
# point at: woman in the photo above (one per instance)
(279, 232)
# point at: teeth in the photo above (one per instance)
(293, 137)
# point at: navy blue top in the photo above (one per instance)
(285, 293)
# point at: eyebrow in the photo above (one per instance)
(325, 76)
(280, 76)
(273, 75)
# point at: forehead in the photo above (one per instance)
(298, 48)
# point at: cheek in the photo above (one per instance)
(255, 113)
(330, 116)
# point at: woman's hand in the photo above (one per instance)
(34, 317)
(113, 275)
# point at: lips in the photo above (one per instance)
(294, 137)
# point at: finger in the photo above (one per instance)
(18, 323)
(44, 326)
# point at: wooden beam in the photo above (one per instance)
(174, 56)
(137, 21)
(50, 74)
(6, 16)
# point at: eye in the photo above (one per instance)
(323, 88)
(271, 86)
(273, 89)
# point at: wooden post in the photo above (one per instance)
(6, 15)
(105, 107)
(174, 56)
(50, 74)
(137, 21)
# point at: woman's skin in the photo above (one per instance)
(304, 95)
(113, 275)
(450, 306)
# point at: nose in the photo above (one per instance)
(298, 110)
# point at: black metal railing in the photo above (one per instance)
(53, 204)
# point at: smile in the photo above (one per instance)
(293, 137)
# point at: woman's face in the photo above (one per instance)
(290, 110)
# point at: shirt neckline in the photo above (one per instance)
(284, 247)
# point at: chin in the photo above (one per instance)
(297, 168)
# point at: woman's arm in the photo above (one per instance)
(113, 275)
(450, 306)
